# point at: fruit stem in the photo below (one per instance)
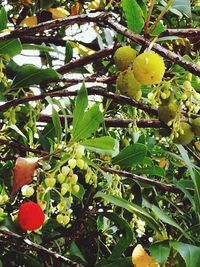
(165, 9)
(152, 3)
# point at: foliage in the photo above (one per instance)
(111, 172)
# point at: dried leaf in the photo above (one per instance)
(163, 162)
(23, 172)
(27, 2)
(58, 13)
(76, 9)
(30, 21)
(140, 258)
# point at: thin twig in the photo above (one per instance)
(33, 246)
(157, 184)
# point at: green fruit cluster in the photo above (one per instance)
(148, 68)
(167, 112)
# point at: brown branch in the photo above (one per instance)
(61, 92)
(85, 60)
(33, 246)
(193, 68)
(91, 91)
(185, 33)
(192, 154)
(112, 122)
(159, 185)
(103, 19)
(138, 178)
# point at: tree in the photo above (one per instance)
(99, 149)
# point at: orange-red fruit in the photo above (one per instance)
(30, 216)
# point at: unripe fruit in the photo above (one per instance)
(74, 179)
(196, 126)
(50, 182)
(80, 163)
(124, 56)
(187, 135)
(76, 188)
(168, 112)
(30, 216)
(127, 84)
(59, 218)
(149, 68)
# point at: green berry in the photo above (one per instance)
(167, 112)
(196, 126)
(124, 56)
(72, 163)
(187, 135)
(127, 84)
(61, 178)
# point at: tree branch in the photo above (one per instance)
(185, 33)
(157, 184)
(33, 246)
(103, 20)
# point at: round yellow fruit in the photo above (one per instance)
(124, 56)
(128, 85)
(167, 112)
(187, 136)
(149, 68)
(196, 126)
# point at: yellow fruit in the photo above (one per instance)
(124, 56)
(167, 112)
(187, 136)
(128, 85)
(196, 126)
(149, 68)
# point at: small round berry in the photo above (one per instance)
(74, 179)
(187, 85)
(30, 216)
(59, 218)
(66, 219)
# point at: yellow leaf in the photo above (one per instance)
(58, 13)
(197, 145)
(140, 258)
(94, 4)
(76, 9)
(163, 162)
(82, 50)
(27, 2)
(29, 22)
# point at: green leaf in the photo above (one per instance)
(3, 19)
(183, 6)
(133, 208)
(81, 104)
(68, 52)
(42, 48)
(190, 253)
(126, 238)
(133, 14)
(160, 251)
(29, 74)
(194, 175)
(159, 28)
(157, 171)
(130, 155)
(75, 251)
(164, 217)
(10, 47)
(46, 3)
(105, 145)
(57, 124)
(89, 123)
(119, 262)
(17, 130)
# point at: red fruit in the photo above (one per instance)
(30, 216)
